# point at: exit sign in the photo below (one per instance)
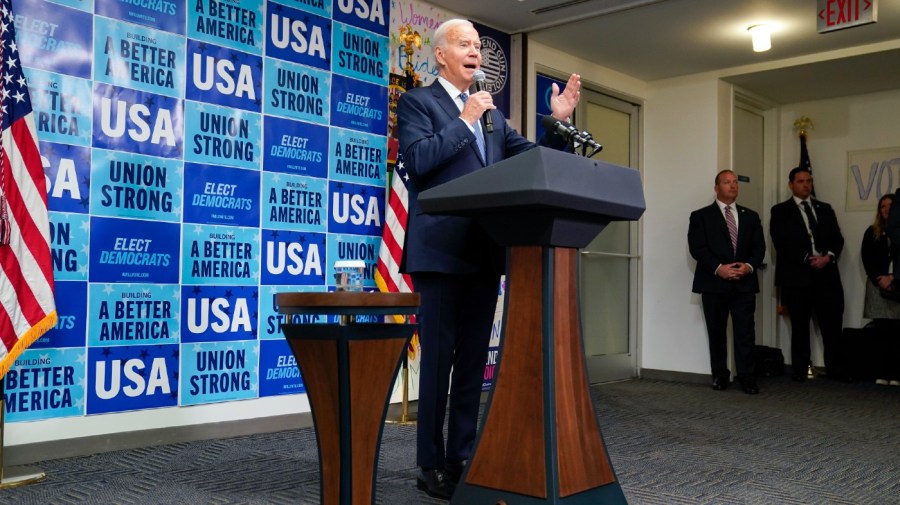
(840, 14)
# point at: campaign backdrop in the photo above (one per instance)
(200, 156)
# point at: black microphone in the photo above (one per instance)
(479, 86)
(570, 133)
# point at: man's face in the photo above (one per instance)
(801, 186)
(461, 57)
(727, 187)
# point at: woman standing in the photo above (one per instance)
(882, 303)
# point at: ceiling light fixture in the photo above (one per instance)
(762, 39)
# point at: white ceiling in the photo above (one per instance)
(658, 39)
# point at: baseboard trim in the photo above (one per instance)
(672, 376)
(83, 446)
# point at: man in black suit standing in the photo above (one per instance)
(807, 242)
(454, 264)
(727, 241)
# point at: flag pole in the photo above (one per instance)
(18, 475)
(405, 418)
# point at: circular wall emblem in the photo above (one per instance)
(494, 65)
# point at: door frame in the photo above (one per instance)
(614, 367)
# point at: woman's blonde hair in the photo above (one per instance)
(879, 225)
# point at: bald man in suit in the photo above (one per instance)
(727, 241)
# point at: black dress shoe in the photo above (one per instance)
(436, 483)
(454, 470)
(748, 385)
(720, 383)
(799, 377)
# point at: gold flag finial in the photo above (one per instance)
(409, 38)
(803, 124)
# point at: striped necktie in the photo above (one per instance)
(479, 136)
(732, 227)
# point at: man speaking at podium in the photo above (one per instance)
(446, 132)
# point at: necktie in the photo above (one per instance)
(732, 227)
(813, 224)
(479, 136)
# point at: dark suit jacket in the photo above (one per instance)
(437, 147)
(875, 254)
(793, 245)
(710, 245)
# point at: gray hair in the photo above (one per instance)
(440, 35)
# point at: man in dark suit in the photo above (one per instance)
(454, 265)
(807, 242)
(727, 241)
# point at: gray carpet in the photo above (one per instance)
(819, 442)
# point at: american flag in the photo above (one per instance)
(387, 272)
(805, 162)
(26, 271)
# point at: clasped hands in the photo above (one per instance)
(733, 271)
(819, 262)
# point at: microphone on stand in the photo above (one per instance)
(486, 119)
(570, 133)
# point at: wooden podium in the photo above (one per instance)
(540, 441)
(348, 370)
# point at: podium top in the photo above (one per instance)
(543, 178)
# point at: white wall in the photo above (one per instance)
(681, 136)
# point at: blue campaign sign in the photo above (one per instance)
(278, 372)
(219, 313)
(220, 255)
(131, 314)
(236, 25)
(45, 383)
(55, 38)
(293, 258)
(353, 247)
(132, 377)
(358, 105)
(224, 76)
(294, 147)
(357, 157)
(167, 15)
(299, 37)
(69, 235)
(136, 57)
(82, 5)
(320, 7)
(124, 250)
(136, 185)
(297, 92)
(68, 175)
(62, 107)
(360, 54)
(294, 202)
(137, 122)
(221, 195)
(222, 135)
(371, 15)
(219, 371)
(270, 320)
(71, 321)
(355, 208)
